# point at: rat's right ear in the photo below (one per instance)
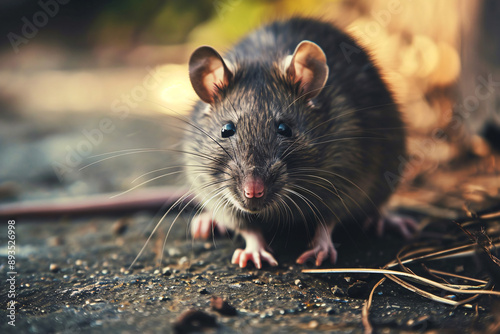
(308, 66)
(208, 73)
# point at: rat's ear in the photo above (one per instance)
(308, 65)
(207, 71)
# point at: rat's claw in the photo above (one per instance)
(203, 225)
(241, 257)
(322, 248)
(320, 252)
(407, 226)
(255, 249)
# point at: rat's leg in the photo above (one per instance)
(204, 224)
(321, 246)
(405, 225)
(255, 249)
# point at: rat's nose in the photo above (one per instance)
(253, 187)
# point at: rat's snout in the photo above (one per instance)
(253, 187)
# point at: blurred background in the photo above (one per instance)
(90, 91)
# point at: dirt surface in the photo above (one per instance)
(73, 275)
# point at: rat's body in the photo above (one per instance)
(295, 127)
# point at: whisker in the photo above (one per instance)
(128, 152)
(345, 179)
(158, 225)
(145, 182)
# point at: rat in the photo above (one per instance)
(294, 127)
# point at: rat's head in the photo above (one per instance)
(253, 128)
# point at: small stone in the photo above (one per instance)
(203, 291)
(313, 324)
(120, 226)
(55, 241)
(358, 289)
(166, 271)
(299, 284)
(54, 268)
(173, 252)
(338, 291)
(222, 306)
(78, 262)
(331, 311)
(194, 320)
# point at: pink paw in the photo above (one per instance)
(255, 250)
(320, 252)
(406, 226)
(203, 225)
(241, 257)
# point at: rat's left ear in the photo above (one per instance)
(208, 72)
(308, 65)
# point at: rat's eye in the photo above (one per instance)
(228, 130)
(284, 130)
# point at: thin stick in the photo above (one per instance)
(364, 318)
(399, 273)
(457, 276)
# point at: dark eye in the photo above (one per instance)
(284, 130)
(228, 130)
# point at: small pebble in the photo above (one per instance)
(174, 252)
(55, 241)
(203, 291)
(313, 324)
(120, 226)
(358, 289)
(338, 291)
(331, 311)
(54, 268)
(222, 306)
(194, 320)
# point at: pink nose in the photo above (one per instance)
(254, 187)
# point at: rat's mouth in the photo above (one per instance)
(253, 205)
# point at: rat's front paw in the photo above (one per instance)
(241, 257)
(322, 248)
(320, 253)
(255, 250)
(203, 225)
